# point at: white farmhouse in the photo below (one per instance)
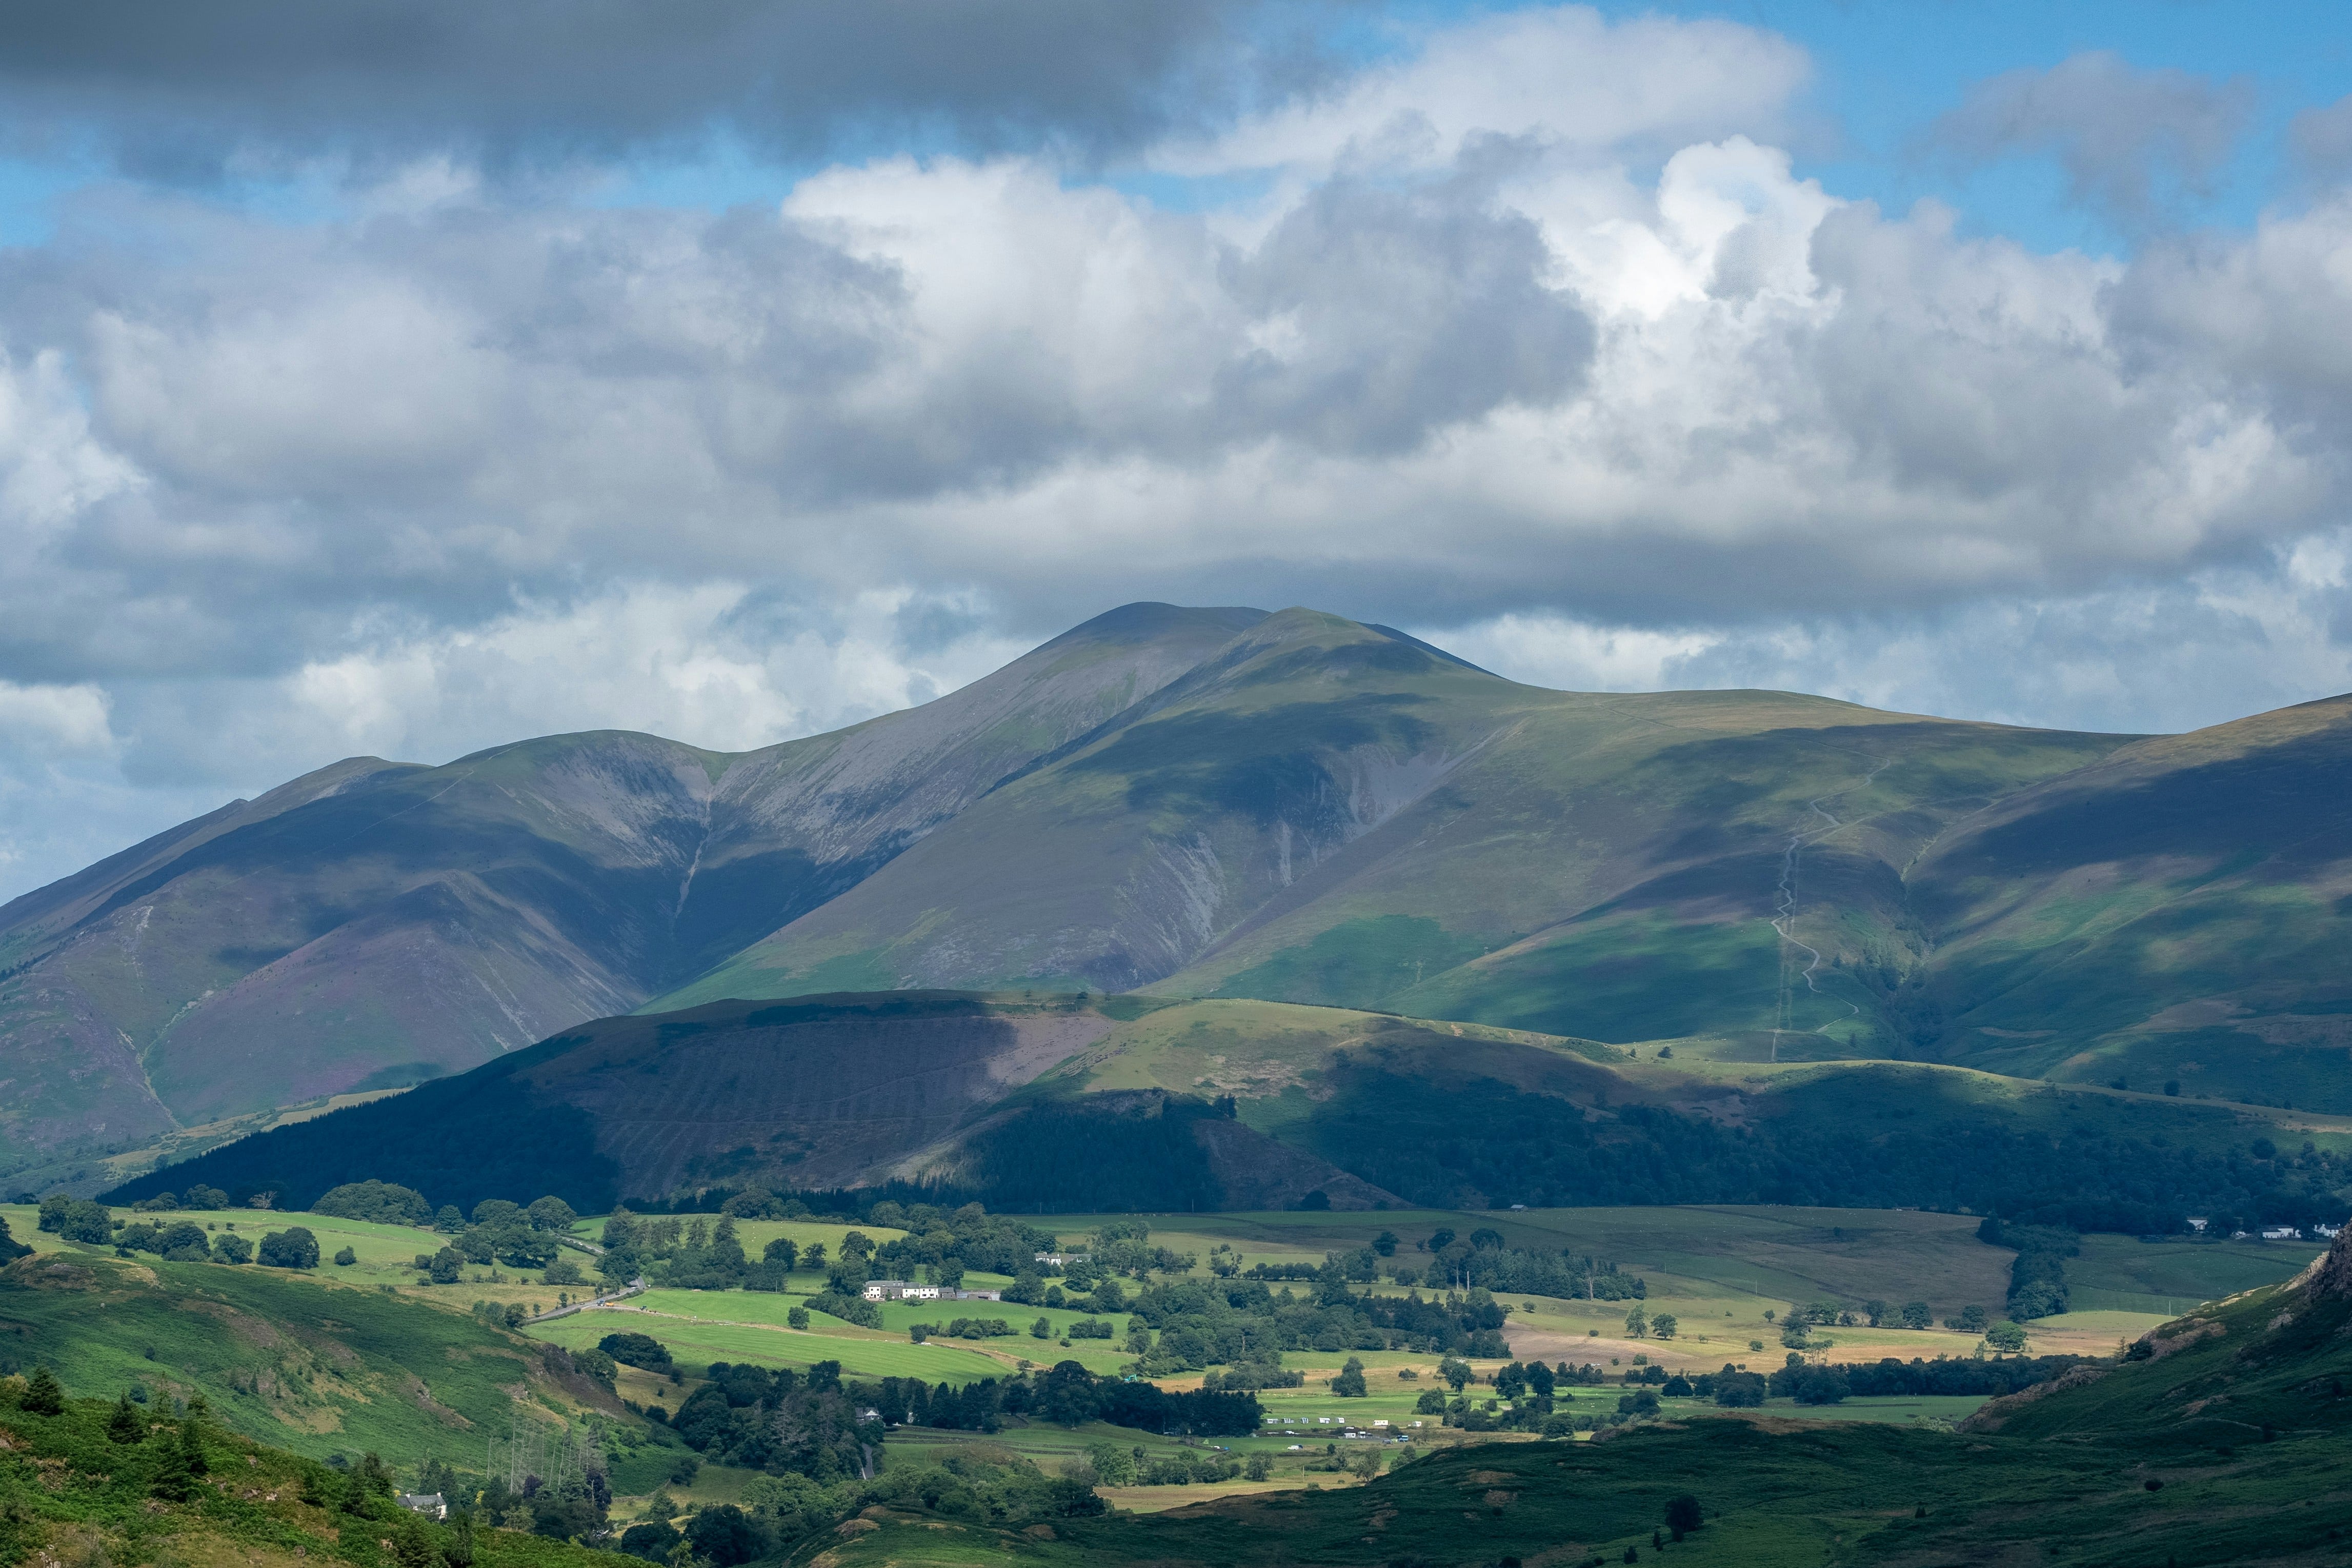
(899, 1290)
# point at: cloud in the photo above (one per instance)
(2214, 646)
(1585, 381)
(54, 721)
(2322, 138)
(1647, 85)
(255, 85)
(2120, 133)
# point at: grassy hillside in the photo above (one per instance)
(296, 1363)
(1329, 812)
(2175, 913)
(72, 1492)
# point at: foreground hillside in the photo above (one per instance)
(1217, 803)
(87, 1486)
(295, 1363)
(1053, 1103)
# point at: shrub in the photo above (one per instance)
(637, 1349)
(232, 1248)
(596, 1364)
(1739, 1390)
(293, 1247)
(380, 1203)
(345, 1257)
(76, 1219)
(651, 1541)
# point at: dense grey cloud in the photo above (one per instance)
(185, 91)
(1390, 312)
(2119, 133)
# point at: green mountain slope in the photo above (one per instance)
(1326, 812)
(376, 923)
(2175, 910)
(1293, 808)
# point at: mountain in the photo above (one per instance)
(1332, 812)
(377, 923)
(1289, 807)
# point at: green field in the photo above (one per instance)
(697, 1344)
(2118, 1273)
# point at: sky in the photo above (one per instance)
(408, 376)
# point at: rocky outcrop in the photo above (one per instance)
(2329, 1278)
(1990, 1415)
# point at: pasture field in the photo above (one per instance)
(695, 1345)
(2119, 1273)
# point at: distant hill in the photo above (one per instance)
(1048, 1103)
(1289, 807)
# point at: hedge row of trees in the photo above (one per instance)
(814, 1425)
(179, 1241)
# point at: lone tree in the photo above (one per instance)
(124, 1426)
(1683, 1514)
(42, 1394)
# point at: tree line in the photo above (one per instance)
(1404, 1134)
(176, 1241)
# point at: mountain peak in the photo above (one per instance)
(1148, 620)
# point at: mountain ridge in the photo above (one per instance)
(1291, 806)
